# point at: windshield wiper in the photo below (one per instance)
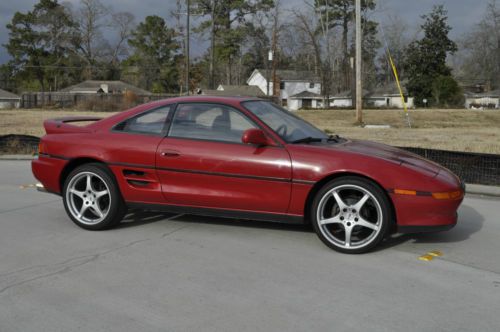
(335, 138)
(308, 139)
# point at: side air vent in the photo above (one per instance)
(131, 172)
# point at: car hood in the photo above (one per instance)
(386, 152)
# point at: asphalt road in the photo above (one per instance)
(185, 273)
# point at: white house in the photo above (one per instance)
(388, 96)
(382, 97)
(341, 100)
(292, 82)
(305, 99)
(96, 87)
(482, 100)
(9, 100)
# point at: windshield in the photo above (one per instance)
(288, 126)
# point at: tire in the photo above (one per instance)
(351, 214)
(92, 198)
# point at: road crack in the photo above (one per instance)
(23, 276)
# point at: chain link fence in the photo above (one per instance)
(478, 168)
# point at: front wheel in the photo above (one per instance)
(92, 198)
(351, 214)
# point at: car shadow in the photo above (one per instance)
(140, 217)
(469, 222)
(246, 223)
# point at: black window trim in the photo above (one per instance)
(166, 125)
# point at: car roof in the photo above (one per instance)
(211, 99)
(109, 121)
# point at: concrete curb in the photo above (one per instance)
(479, 189)
(475, 189)
(16, 157)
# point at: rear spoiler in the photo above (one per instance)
(63, 126)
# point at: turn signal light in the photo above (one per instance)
(405, 192)
(448, 195)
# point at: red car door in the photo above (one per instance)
(203, 163)
(131, 147)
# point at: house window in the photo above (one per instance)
(284, 102)
(282, 85)
(311, 85)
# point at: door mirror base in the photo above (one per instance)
(256, 137)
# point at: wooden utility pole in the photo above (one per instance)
(212, 48)
(187, 45)
(359, 88)
(274, 46)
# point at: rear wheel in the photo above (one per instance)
(92, 198)
(351, 214)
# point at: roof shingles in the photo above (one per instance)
(8, 95)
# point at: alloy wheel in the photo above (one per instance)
(88, 198)
(349, 216)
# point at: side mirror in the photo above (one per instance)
(255, 136)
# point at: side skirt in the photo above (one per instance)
(281, 218)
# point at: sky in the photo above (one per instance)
(463, 14)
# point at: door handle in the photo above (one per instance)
(170, 153)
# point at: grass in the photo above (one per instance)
(30, 122)
(456, 130)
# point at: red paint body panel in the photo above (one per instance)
(47, 170)
(275, 179)
(254, 178)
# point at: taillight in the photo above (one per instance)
(41, 148)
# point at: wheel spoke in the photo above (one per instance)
(97, 210)
(89, 182)
(362, 222)
(99, 194)
(332, 220)
(339, 200)
(361, 202)
(348, 231)
(82, 211)
(77, 192)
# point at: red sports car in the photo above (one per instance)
(242, 158)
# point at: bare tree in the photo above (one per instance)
(395, 39)
(89, 42)
(318, 36)
(123, 23)
(480, 52)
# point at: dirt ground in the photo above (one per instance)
(457, 130)
(30, 122)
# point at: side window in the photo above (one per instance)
(209, 122)
(153, 122)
